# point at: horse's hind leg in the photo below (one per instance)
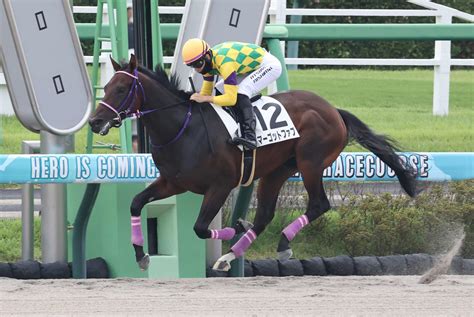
(318, 204)
(159, 189)
(267, 196)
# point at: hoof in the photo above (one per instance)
(223, 263)
(222, 266)
(144, 262)
(285, 255)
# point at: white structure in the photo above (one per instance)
(6, 107)
(441, 62)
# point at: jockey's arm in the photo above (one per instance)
(207, 85)
(229, 98)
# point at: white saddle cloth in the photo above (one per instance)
(273, 122)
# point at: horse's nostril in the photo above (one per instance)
(95, 124)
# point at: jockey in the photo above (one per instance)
(245, 69)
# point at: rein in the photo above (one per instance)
(125, 111)
(187, 119)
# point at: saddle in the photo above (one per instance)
(273, 125)
(234, 111)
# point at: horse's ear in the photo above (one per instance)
(115, 65)
(132, 64)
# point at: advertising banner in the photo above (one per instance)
(116, 168)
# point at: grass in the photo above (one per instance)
(399, 103)
(14, 133)
(10, 239)
(305, 245)
(396, 103)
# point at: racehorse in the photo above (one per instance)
(190, 147)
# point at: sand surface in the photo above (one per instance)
(449, 295)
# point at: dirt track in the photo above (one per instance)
(258, 296)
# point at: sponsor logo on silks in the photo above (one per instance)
(368, 166)
(258, 75)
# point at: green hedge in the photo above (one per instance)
(387, 224)
(340, 49)
(378, 49)
(364, 225)
(379, 224)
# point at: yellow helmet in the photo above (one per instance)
(193, 50)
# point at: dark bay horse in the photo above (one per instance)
(190, 147)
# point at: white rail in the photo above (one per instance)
(375, 62)
(278, 12)
(441, 62)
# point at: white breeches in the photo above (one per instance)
(251, 84)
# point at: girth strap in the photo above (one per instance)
(247, 170)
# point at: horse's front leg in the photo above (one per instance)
(213, 200)
(159, 189)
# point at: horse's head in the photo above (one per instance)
(123, 95)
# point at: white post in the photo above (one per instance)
(214, 246)
(278, 18)
(106, 69)
(6, 107)
(442, 72)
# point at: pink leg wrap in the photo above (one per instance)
(137, 235)
(223, 234)
(243, 244)
(293, 228)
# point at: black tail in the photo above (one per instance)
(383, 147)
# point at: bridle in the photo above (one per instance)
(125, 109)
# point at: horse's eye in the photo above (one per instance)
(121, 90)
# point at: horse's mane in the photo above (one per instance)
(171, 83)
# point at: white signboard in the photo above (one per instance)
(44, 66)
(217, 21)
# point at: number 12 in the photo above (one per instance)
(273, 123)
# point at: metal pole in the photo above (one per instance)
(293, 45)
(275, 49)
(27, 208)
(79, 269)
(53, 205)
(143, 37)
(142, 28)
(240, 211)
(214, 246)
(156, 34)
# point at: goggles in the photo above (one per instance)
(197, 63)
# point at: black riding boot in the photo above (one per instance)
(248, 139)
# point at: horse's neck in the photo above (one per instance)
(162, 125)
